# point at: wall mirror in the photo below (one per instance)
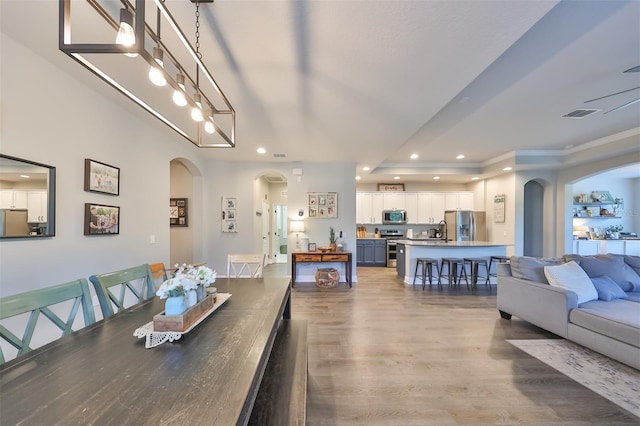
(27, 198)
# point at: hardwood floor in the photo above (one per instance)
(385, 353)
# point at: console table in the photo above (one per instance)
(318, 257)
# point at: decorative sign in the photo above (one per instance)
(323, 204)
(229, 214)
(178, 212)
(391, 187)
(498, 208)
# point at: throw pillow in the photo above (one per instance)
(634, 262)
(613, 266)
(531, 268)
(608, 289)
(571, 276)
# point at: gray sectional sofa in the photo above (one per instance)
(592, 300)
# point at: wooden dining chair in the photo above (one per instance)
(138, 280)
(42, 301)
(158, 273)
(245, 265)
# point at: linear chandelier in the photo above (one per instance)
(161, 80)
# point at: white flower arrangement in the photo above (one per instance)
(186, 278)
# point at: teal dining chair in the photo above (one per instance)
(41, 301)
(137, 280)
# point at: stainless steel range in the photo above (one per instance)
(391, 235)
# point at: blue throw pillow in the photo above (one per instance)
(613, 266)
(607, 289)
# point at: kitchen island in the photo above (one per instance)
(411, 249)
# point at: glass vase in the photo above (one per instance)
(192, 298)
(175, 305)
(201, 292)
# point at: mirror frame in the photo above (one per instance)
(51, 199)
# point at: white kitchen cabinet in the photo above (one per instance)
(632, 247)
(458, 201)
(612, 246)
(430, 207)
(586, 247)
(393, 201)
(11, 199)
(369, 206)
(37, 205)
(411, 206)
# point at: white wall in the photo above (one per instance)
(72, 122)
(504, 232)
(240, 182)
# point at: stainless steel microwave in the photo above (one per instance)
(394, 217)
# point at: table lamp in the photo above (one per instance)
(297, 226)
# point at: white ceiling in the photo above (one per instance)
(372, 82)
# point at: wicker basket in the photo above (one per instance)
(327, 277)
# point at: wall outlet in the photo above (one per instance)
(152, 239)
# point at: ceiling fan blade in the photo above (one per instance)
(624, 105)
(613, 94)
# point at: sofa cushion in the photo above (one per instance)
(608, 289)
(618, 319)
(634, 262)
(571, 276)
(532, 268)
(613, 266)
(633, 296)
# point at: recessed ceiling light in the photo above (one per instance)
(436, 177)
(396, 178)
(506, 169)
(459, 157)
(357, 177)
(25, 176)
(475, 178)
(261, 150)
(414, 156)
(366, 168)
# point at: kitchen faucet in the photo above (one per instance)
(444, 222)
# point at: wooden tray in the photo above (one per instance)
(157, 337)
(162, 322)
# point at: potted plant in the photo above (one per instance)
(613, 231)
(332, 239)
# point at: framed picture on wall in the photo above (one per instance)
(229, 214)
(101, 220)
(178, 212)
(100, 177)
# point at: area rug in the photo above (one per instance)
(617, 382)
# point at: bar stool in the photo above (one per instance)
(452, 270)
(426, 263)
(475, 263)
(497, 259)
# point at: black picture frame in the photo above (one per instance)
(105, 220)
(101, 178)
(178, 212)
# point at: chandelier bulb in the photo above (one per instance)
(126, 35)
(196, 112)
(209, 127)
(179, 97)
(155, 72)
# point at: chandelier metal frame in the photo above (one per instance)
(77, 51)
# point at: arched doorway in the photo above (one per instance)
(185, 242)
(533, 219)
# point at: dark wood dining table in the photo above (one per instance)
(102, 374)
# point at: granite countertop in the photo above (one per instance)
(441, 243)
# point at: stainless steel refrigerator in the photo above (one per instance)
(465, 225)
(14, 223)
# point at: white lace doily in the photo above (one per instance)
(156, 338)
